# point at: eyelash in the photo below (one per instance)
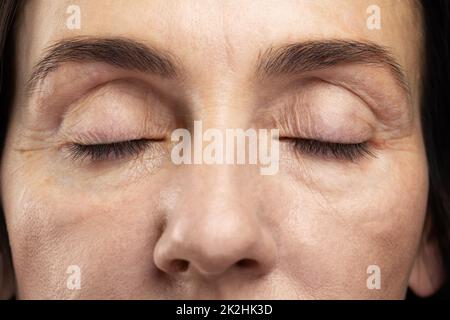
(333, 151)
(108, 151)
(118, 150)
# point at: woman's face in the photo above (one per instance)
(351, 186)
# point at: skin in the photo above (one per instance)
(310, 231)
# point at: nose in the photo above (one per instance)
(215, 229)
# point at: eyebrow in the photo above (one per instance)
(315, 55)
(294, 58)
(119, 52)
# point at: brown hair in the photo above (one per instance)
(8, 10)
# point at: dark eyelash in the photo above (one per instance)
(335, 151)
(107, 151)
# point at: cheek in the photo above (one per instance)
(334, 227)
(109, 236)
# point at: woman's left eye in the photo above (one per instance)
(109, 151)
(332, 150)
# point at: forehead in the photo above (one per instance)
(227, 34)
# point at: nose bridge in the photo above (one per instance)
(220, 187)
(217, 222)
(215, 207)
(215, 226)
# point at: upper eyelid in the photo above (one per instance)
(82, 151)
(390, 109)
(62, 98)
(337, 151)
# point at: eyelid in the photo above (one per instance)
(108, 151)
(332, 150)
(323, 111)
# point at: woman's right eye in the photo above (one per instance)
(109, 151)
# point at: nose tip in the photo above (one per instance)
(211, 251)
(215, 229)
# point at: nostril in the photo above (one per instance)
(179, 265)
(247, 263)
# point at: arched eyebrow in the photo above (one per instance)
(307, 56)
(119, 52)
(291, 59)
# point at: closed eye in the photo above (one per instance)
(332, 150)
(109, 151)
